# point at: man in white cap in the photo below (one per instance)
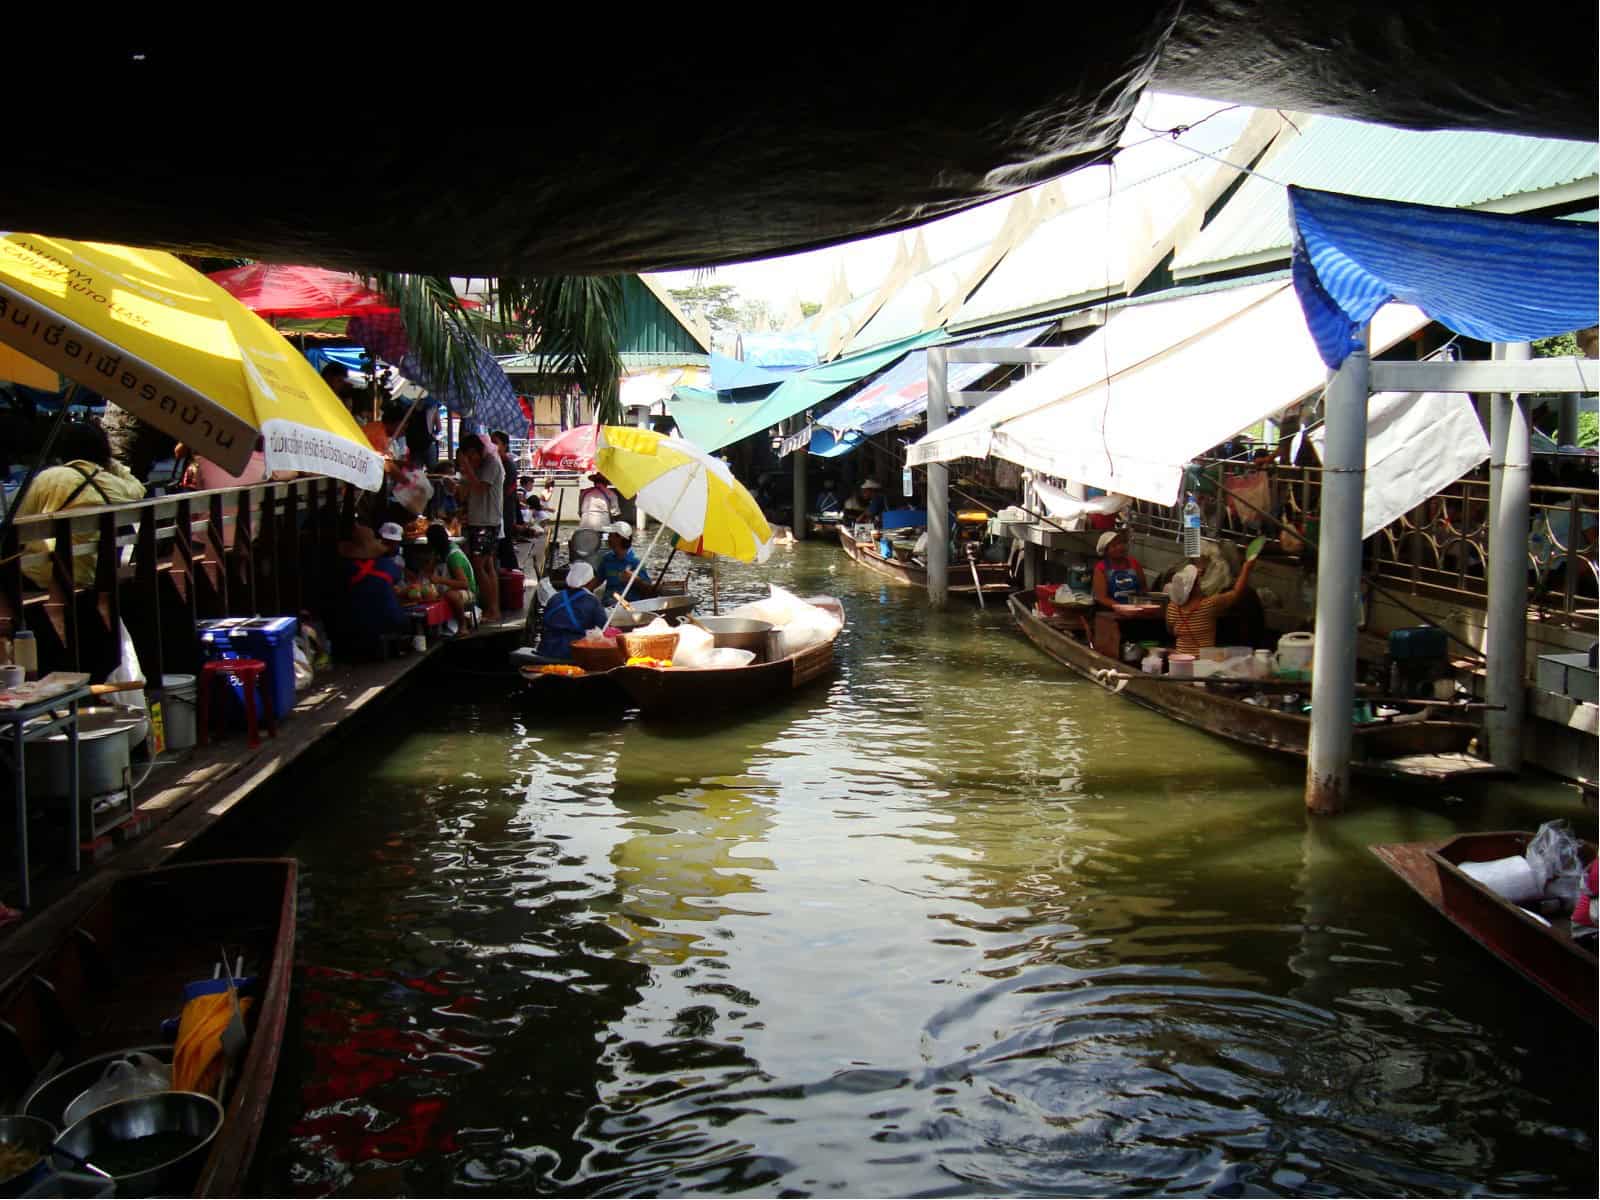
(571, 613)
(619, 563)
(872, 501)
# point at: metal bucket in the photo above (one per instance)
(106, 737)
(32, 1134)
(188, 1113)
(744, 633)
(49, 1100)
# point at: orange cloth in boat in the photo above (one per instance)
(197, 1056)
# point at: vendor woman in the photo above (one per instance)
(1118, 577)
(571, 613)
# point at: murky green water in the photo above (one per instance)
(951, 923)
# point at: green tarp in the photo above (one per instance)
(711, 425)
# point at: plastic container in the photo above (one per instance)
(1294, 651)
(1044, 599)
(1211, 654)
(271, 639)
(511, 591)
(1424, 642)
(1150, 664)
(178, 694)
(1180, 666)
(1205, 668)
(1237, 652)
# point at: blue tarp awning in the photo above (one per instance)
(731, 375)
(901, 394)
(1495, 277)
(825, 445)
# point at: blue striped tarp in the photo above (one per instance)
(1491, 276)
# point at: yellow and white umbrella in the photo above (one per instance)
(687, 490)
(153, 335)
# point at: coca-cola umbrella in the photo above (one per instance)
(273, 290)
(571, 450)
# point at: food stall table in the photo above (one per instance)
(46, 699)
(1132, 624)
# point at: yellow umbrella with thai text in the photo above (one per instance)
(151, 334)
(686, 490)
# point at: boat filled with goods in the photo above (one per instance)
(138, 1049)
(1527, 898)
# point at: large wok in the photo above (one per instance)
(673, 608)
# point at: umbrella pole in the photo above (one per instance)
(716, 598)
(661, 527)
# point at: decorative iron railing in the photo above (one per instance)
(1437, 549)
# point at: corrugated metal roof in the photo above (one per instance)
(1450, 169)
(648, 326)
(632, 362)
(915, 307)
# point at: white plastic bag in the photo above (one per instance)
(303, 671)
(127, 671)
(724, 657)
(1557, 862)
(136, 1074)
(412, 489)
(694, 643)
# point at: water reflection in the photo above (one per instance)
(949, 923)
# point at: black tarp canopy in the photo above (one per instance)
(590, 141)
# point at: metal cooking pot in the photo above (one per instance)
(106, 737)
(671, 607)
(162, 1112)
(744, 633)
(585, 544)
(49, 1100)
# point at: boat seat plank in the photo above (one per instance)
(1452, 764)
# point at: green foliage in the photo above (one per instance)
(809, 309)
(717, 302)
(1563, 345)
(1589, 430)
(575, 321)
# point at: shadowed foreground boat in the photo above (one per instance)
(1543, 952)
(111, 980)
(1409, 746)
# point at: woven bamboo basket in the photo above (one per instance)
(649, 645)
(598, 658)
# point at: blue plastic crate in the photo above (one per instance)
(271, 639)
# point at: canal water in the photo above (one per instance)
(951, 923)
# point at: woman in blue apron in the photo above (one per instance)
(1118, 577)
(571, 613)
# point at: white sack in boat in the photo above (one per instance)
(694, 644)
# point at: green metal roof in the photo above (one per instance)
(649, 327)
(1499, 171)
(539, 364)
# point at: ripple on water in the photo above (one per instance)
(949, 925)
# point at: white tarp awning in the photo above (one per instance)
(1070, 505)
(1127, 408)
(1418, 443)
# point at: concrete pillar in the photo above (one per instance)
(1333, 677)
(1567, 422)
(1505, 644)
(938, 483)
(799, 524)
(1030, 566)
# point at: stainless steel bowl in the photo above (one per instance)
(49, 1100)
(34, 1134)
(188, 1113)
(744, 633)
(670, 607)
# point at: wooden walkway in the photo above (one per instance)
(190, 791)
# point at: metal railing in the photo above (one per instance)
(1438, 549)
(158, 566)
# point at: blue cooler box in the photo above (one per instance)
(271, 639)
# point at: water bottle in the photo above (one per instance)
(1191, 527)
(25, 652)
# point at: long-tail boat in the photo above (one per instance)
(1412, 745)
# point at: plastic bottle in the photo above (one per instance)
(25, 652)
(1191, 527)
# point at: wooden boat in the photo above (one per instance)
(822, 527)
(1544, 953)
(1410, 746)
(589, 692)
(685, 692)
(994, 577)
(119, 971)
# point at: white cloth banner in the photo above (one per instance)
(1418, 444)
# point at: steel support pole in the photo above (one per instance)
(799, 523)
(938, 482)
(1030, 566)
(1567, 420)
(1511, 481)
(1333, 678)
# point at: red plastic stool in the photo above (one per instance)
(251, 674)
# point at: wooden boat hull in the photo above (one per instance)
(1403, 748)
(994, 577)
(119, 971)
(590, 692)
(686, 693)
(1546, 956)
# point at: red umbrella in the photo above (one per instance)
(304, 293)
(572, 450)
